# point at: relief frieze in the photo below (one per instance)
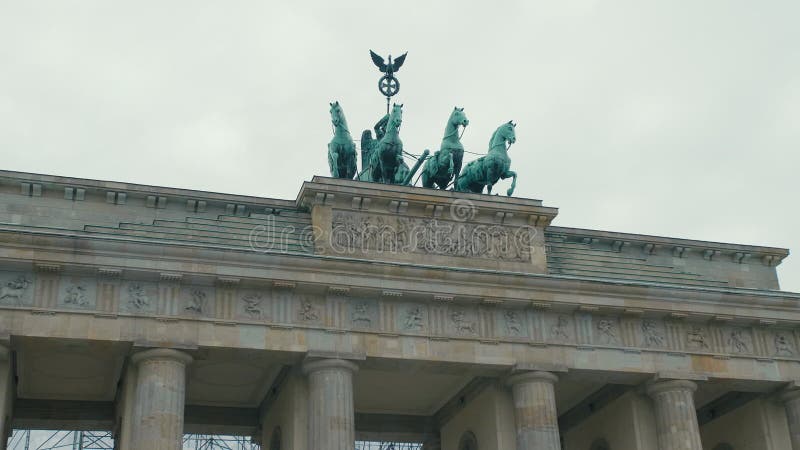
(606, 331)
(697, 337)
(354, 233)
(652, 333)
(513, 323)
(413, 318)
(138, 297)
(396, 316)
(16, 289)
(80, 293)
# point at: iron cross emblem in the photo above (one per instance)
(388, 85)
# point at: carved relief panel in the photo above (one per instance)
(16, 289)
(652, 333)
(559, 328)
(462, 321)
(197, 301)
(781, 342)
(309, 309)
(698, 337)
(138, 297)
(737, 340)
(412, 318)
(358, 233)
(606, 331)
(78, 293)
(363, 313)
(511, 323)
(254, 304)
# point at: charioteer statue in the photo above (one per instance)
(382, 156)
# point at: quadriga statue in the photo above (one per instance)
(341, 149)
(488, 169)
(446, 163)
(387, 155)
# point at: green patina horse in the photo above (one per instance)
(446, 163)
(387, 156)
(341, 149)
(488, 169)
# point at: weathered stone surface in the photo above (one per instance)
(676, 419)
(331, 422)
(159, 401)
(252, 286)
(535, 410)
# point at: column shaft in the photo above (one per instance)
(792, 405)
(6, 395)
(159, 400)
(535, 411)
(331, 420)
(676, 417)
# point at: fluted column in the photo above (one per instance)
(535, 410)
(6, 395)
(791, 402)
(159, 399)
(676, 417)
(331, 421)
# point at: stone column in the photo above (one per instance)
(331, 421)
(6, 395)
(433, 442)
(535, 410)
(676, 417)
(791, 402)
(159, 399)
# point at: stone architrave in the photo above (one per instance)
(676, 417)
(159, 400)
(535, 410)
(331, 421)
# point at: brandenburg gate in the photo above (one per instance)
(378, 312)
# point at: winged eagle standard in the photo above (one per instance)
(388, 84)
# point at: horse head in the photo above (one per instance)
(396, 116)
(337, 115)
(457, 117)
(506, 131)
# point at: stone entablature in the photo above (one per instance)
(472, 230)
(337, 308)
(603, 254)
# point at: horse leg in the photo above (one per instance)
(351, 164)
(450, 166)
(427, 182)
(491, 178)
(333, 160)
(511, 173)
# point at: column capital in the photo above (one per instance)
(162, 353)
(657, 387)
(332, 363)
(533, 376)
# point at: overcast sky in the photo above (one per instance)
(674, 118)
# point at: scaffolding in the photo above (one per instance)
(60, 440)
(103, 440)
(217, 442)
(374, 445)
